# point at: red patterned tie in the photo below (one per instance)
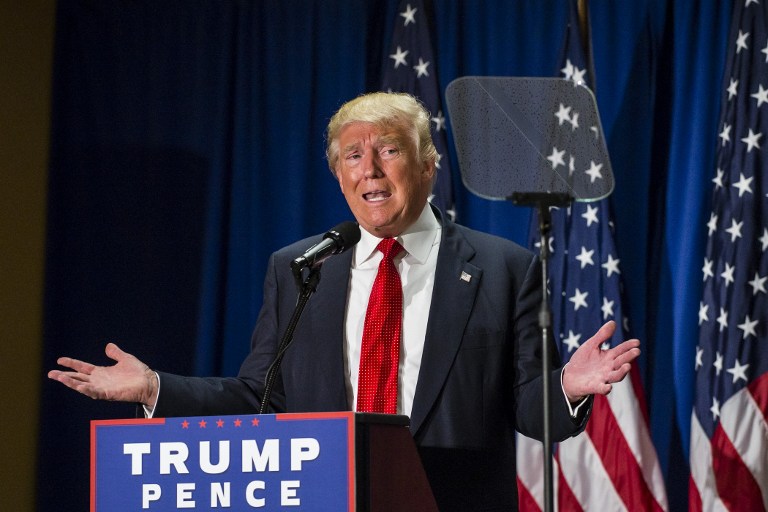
(380, 351)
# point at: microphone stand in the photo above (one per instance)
(306, 288)
(543, 202)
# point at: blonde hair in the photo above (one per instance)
(384, 110)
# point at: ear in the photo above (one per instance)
(338, 178)
(429, 169)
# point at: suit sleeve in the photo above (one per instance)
(528, 392)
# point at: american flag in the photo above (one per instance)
(613, 465)
(729, 435)
(411, 68)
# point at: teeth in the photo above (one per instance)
(376, 196)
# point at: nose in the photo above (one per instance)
(372, 167)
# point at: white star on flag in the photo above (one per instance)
(409, 15)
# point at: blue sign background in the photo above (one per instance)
(324, 483)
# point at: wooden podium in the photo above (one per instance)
(340, 461)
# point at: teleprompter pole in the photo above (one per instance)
(543, 201)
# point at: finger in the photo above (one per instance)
(603, 388)
(76, 364)
(618, 374)
(75, 384)
(604, 333)
(625, 347)
(626, 357)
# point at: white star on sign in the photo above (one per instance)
(409, 15)
(399, 57)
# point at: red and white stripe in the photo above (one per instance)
(730, 471)
(611, 466)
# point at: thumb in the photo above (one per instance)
(114, 352)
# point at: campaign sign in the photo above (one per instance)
(251, 462)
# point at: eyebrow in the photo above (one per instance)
(385, 140)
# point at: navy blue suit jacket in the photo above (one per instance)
(480, 376)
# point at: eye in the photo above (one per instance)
(353, 157)
(389, 152)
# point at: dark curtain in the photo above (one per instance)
(187, 145)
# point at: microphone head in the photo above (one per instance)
(346, 235)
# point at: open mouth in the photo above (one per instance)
(378, 195)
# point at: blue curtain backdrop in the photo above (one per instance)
(187, 145)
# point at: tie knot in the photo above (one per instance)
(390, 248)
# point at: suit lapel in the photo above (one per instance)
(326, 336)
(456, 284)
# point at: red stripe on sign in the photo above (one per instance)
(618, 459)
(735, 484)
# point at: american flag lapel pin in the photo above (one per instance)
(465, 277)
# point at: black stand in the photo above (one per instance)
(543, 202)
(306, 288)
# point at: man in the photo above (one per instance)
(469, 371)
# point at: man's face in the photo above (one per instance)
(381, 177)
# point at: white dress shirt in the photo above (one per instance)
(416, 265)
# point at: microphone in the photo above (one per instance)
(335, 241)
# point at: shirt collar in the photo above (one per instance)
(417, 239)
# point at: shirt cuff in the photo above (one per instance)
(573, 409)
(148, 412)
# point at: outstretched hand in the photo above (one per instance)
(592, 370)
(129, 380)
